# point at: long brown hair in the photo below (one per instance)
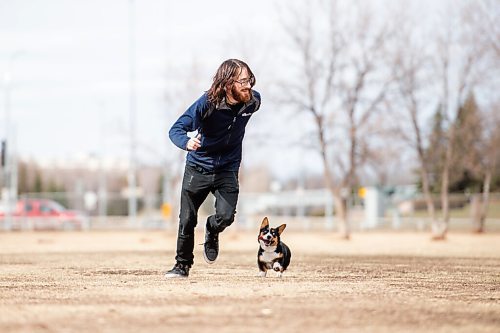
(225, 76)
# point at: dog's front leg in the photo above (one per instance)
(278, 269)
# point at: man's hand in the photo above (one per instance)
(194, 143)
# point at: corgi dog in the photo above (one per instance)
(273, 253)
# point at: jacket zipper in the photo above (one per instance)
(229, 128)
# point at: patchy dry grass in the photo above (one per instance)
(377, 282)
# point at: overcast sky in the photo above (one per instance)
(68, 65)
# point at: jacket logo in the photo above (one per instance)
(246, 114)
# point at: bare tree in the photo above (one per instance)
(490, 154)
(413, 80)
(484, 15)
(341, 81)
(481, 18)
(459, 64)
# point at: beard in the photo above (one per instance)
(242, 96)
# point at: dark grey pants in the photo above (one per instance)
(196, 186)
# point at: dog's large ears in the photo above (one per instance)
(265, 223)
(281, 228)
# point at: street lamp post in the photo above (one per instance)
(6, 152)
(9, 185)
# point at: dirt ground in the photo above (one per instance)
(377, 282)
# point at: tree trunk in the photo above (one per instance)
(440, 228)
(341, 215)
(480, 218)
(339, 202)
(427, 195)
(475, 213)
(423, 165)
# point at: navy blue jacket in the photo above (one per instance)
(222, 133)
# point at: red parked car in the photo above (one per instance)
(43, 214)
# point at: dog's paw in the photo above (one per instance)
(279, 274)
(262, 274)
(277, 266)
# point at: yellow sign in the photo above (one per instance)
(166, 210)
(362, 192)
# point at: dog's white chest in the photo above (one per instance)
(268, 256)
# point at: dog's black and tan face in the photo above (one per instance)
(269, 237)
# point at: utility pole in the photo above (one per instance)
(132, 186)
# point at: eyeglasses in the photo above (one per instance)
(244, 82)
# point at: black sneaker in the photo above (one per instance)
(179, 271)
(211, 246)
